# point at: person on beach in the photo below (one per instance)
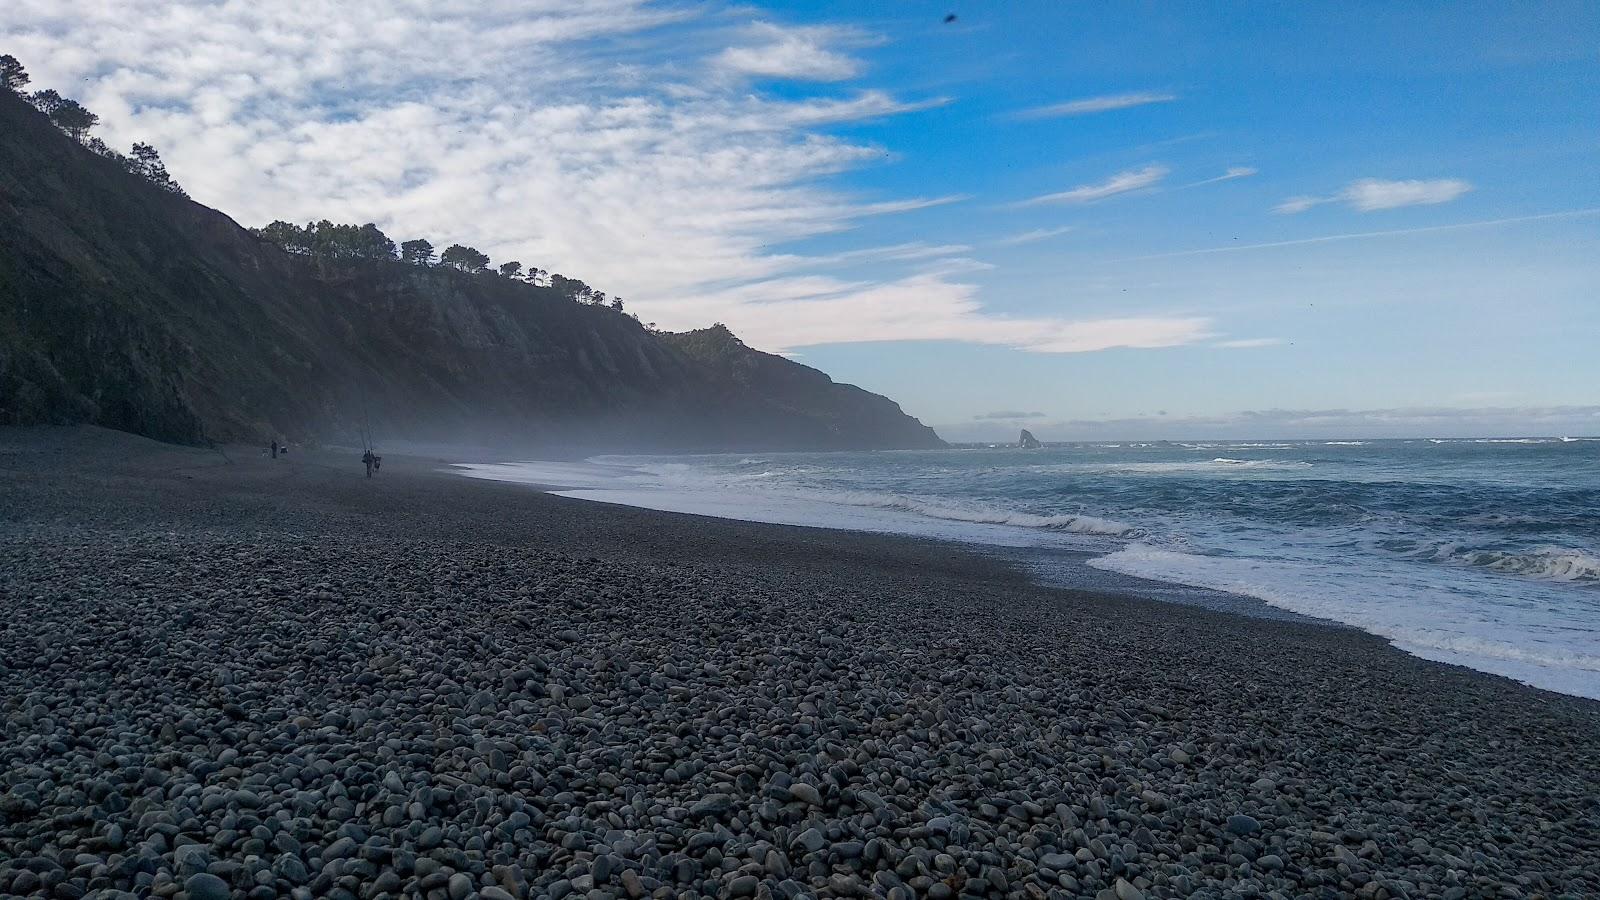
(274, 448)
(370, 460)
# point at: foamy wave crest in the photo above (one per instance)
(1075, 524)
(1551, 563)
(1261, 463)
(1419, 640)
(1200, 467)
(678, 476)
(1288, 587)
(1495, 440)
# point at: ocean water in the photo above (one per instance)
(1483, 553)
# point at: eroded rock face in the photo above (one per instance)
(128, 307)
(1028, 441)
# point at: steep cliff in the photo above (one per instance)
(127, 306)
(768, 390)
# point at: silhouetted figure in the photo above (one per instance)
(274, 448)
(370, 461)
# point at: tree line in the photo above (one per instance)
(72, 118)
(325, 240)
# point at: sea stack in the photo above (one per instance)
(1028, 441)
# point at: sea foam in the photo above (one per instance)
(1458, 549)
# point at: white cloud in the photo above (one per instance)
(913, 251)
(1295, 205)
(805, 310)
(1029, 237)
(565, 135)
(1371, 194)
(1120, 183)
(800, 53)
(1106, 103)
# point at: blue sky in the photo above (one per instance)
(1116, 219)
(1313, 98)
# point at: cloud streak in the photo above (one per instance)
(1029, 237)
(1373, 194)
(1089, 105)
(1120, 183)
(1300, 204)
(1232, 174)
(1367, 235)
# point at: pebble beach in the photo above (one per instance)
(223, 675)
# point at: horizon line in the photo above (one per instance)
(1553, 438)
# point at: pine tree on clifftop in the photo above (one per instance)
(418, 252)
(466, 259)
(12, 76)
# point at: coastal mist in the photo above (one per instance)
(1483, 553)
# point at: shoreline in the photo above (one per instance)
(1065, 567)
(501, 692)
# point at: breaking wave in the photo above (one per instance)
(1262, 463)
(1486, 637)
(1550, 563)
(976, 514)
(684, 476)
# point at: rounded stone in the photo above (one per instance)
(205, 886)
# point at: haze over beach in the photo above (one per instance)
(618, 449)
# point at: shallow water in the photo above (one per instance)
(1481, 553)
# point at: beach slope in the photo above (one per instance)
(224, 673)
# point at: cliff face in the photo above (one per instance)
(755, 387)
(125, 306)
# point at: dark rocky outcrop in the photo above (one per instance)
(126, 306)
(1028, 441)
